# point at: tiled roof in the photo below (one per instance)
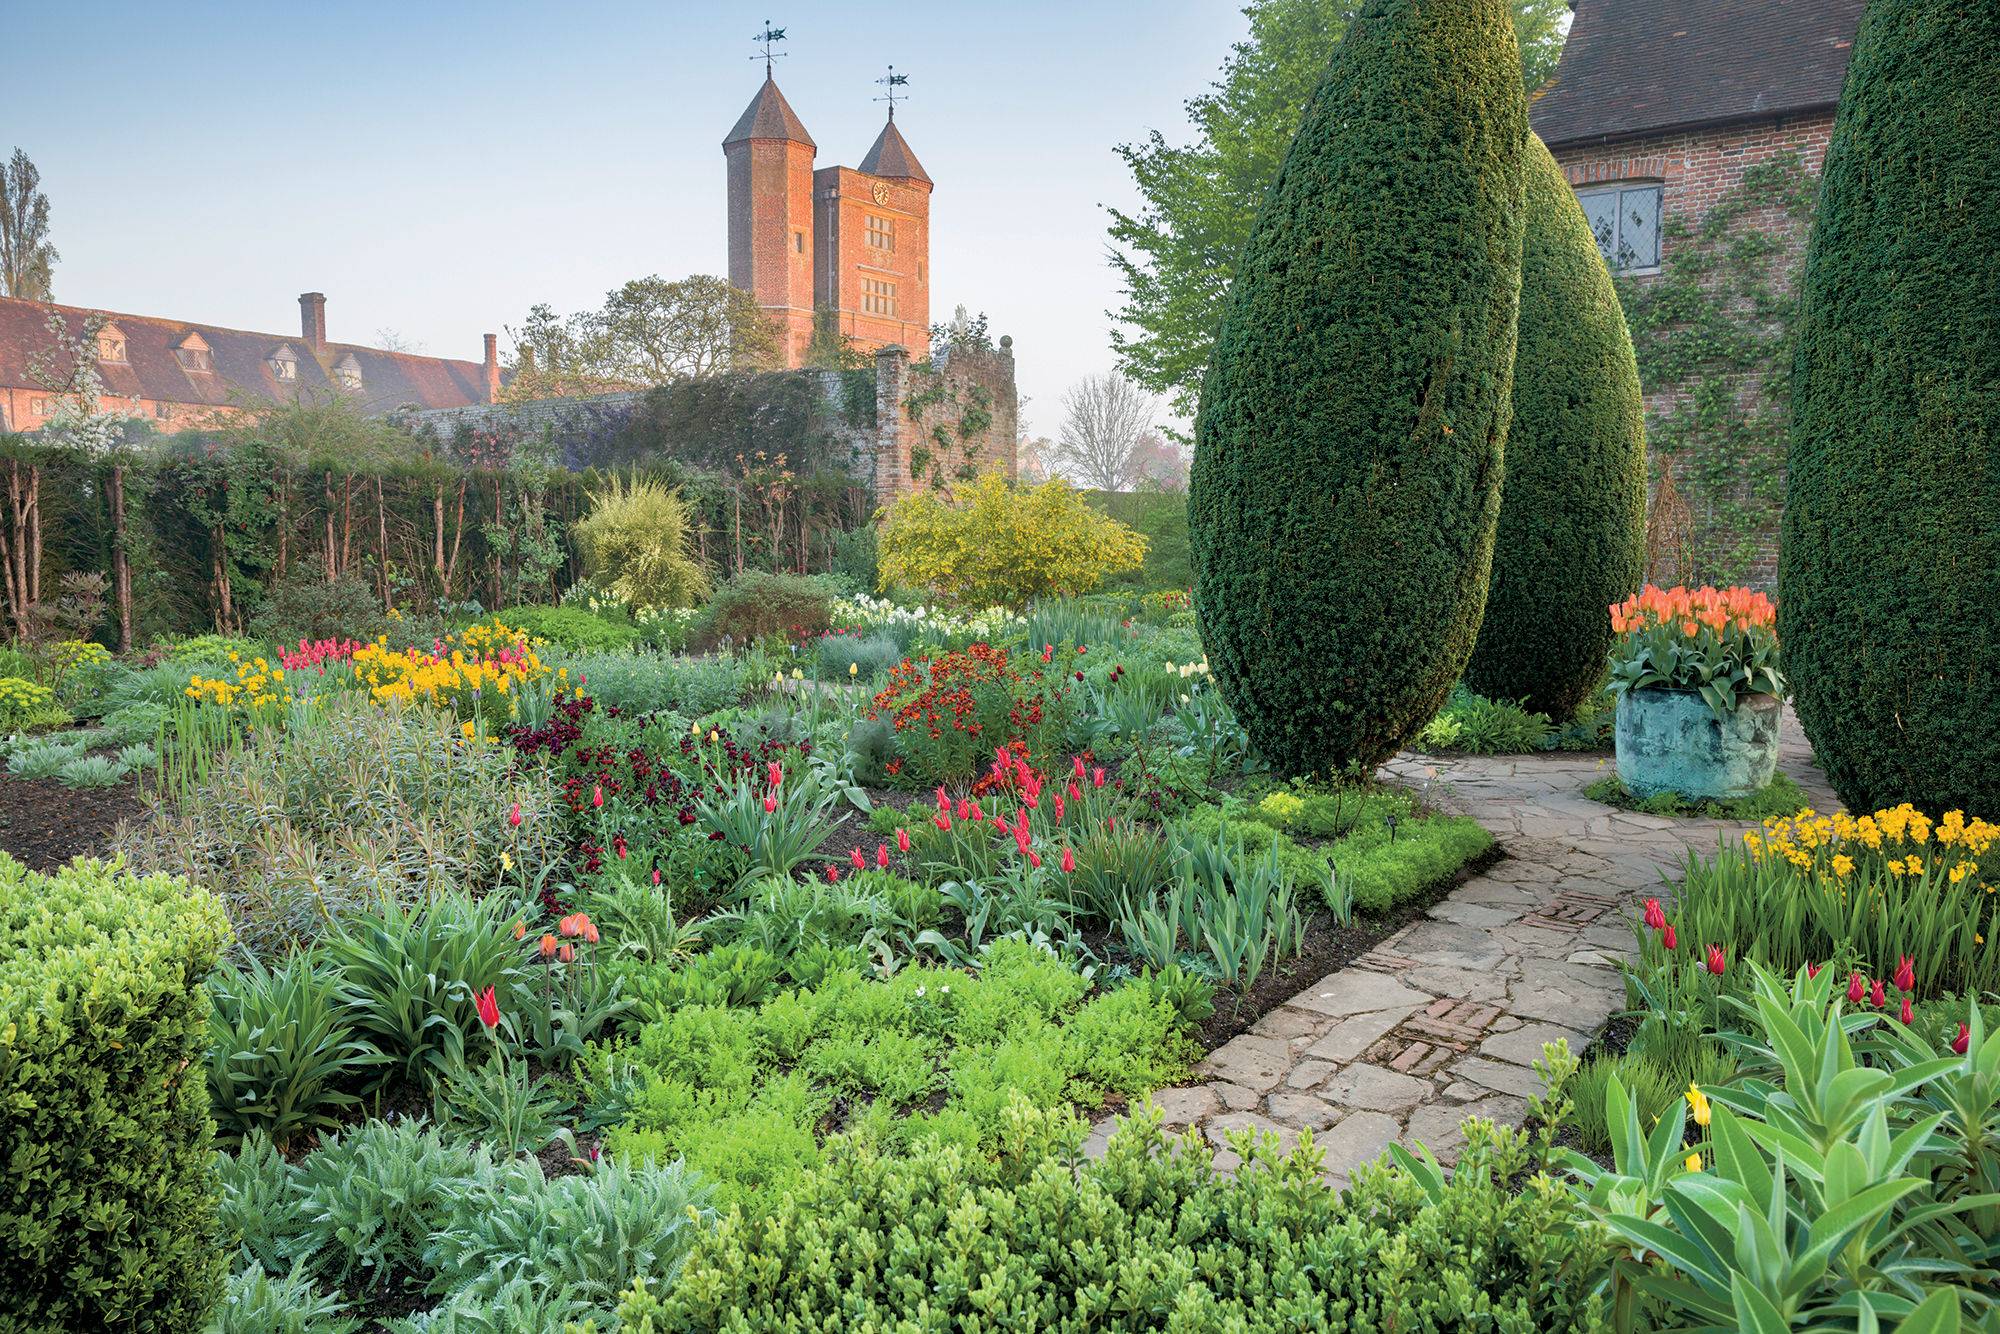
(1643, 66)
(891, 157)
(242, 374)
(769, 116)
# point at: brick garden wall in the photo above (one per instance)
(1697, 171)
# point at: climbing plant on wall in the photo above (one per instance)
(1713, 331)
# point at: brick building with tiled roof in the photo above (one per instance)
(1659, 108)
(852, 241)
(180, 375)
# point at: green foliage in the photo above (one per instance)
(311, 823)
(754, 606)
(257, 1303)
(1571, 536)
(1161, 517)
(259, 1212)
(1348, 453)
(855, 657)
(1147, 1237)
(371, 1200)
(644, 683)
(636, 543)
(571, 628)
(1177, 254)
(996, 544)
(1652, 1084)
(1890, 568)
(1381, 867)
(280, 1051)
(1477, 725)
(307, 605)
(107, 1205)
(1780, 797)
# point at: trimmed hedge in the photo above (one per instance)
(571, 628)
(1348, 450)
(108, 1200)
(1147, 1237)
(1889, 572)
(1572, 534)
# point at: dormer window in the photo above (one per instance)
(193, 354)
(284, 364)
(347, 372)
(111, 345)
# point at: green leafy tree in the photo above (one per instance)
(27, 259)
(1572, 534)
(1177, 253)
(1348, 452)
(1889, 570)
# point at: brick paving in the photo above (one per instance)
(1443, 1020)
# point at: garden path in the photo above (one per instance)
(1443, 1019)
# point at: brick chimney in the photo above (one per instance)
(312, 318)
(492, 368)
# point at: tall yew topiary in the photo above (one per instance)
(1572, 534)
(1348, 448)
(1889, 573)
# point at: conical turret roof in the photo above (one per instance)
(769, 116)
(891, 157)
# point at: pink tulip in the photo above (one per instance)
(656, 875)
(597, 795)
(1906, 973)
(1035, 860)
(514, 816)
(1656, 916)
(1068, 861)
(1097, 777)
(1857, 987)
(902, 840)
(1879, 997)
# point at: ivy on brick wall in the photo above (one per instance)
(956, 413)
(1713, 331)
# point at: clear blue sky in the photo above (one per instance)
(436, 168)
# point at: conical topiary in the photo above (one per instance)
(1889, 571)
(1572, 534)
(1348, 449)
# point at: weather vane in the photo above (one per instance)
(892, 81)
(767, 39)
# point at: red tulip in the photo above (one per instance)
(1068, 861)
(1812, 970)
(1656, 916)
(1963, 1040)
(832, 874)
(942, 820)
(1035, 860)
(1716, 963)
(1856, 988)
(770, 805)
(774, 773)
(860, 862)
(1097, 777)
(902, 840)
(1667, 936)
(1059, 806)
(514, 816)
(1905, 1016)
(964, 809)
(1076, 766)
(1906, 973)
(488, 1006)
(882, 855)
(656, 875)
(1075, 792)
(1879, 997)
(597, 795)
(943, 802)
(618, 846)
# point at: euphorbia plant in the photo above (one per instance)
(1722, 643)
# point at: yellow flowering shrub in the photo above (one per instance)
(998, 544)
(22, 701)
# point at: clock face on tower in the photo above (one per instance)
(881, 192)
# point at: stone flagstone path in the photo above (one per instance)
(1443, 1019)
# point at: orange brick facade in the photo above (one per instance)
(873, 231)
(852, 242)
(1696, 170)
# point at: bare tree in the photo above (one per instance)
(1104, 417)
(26, 257)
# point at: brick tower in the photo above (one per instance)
(874, 241)
(771, 244)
